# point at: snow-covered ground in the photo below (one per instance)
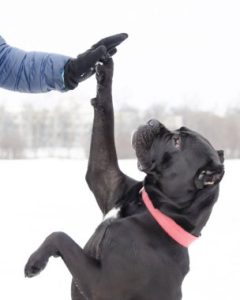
(41, 196)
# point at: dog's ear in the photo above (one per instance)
(221, 155)
(209, 176)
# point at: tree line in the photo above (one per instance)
(65, 132)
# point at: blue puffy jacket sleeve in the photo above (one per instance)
(30, 72)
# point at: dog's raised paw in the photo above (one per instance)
(100, 74)
(34, 265)
(104, 72)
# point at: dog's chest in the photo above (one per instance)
(112, 214)
(139, 255)
(95, 243)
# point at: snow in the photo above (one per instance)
(42, 196)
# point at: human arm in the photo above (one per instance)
(31, 72)
(39, 72)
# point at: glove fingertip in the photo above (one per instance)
(124, 36)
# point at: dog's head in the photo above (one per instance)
(179, 163)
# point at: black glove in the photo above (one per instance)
(82, 67)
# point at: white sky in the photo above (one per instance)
(178, 52)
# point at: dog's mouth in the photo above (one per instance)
(142, 140)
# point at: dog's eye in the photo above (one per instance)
(177, 141)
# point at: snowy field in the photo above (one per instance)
(41, 196)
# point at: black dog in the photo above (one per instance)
(132, 257)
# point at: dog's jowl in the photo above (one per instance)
(140, 252)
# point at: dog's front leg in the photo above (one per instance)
(85, 270)
(104, 177)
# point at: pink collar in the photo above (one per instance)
(174, 230)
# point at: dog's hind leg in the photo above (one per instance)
(104, 177)
(84, 269)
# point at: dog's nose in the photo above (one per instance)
(153, 123)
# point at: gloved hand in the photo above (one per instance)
(82, 67)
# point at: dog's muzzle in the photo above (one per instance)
(145, 134)
(142, 140)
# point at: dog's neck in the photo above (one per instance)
(190, 212)
(175, 231)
